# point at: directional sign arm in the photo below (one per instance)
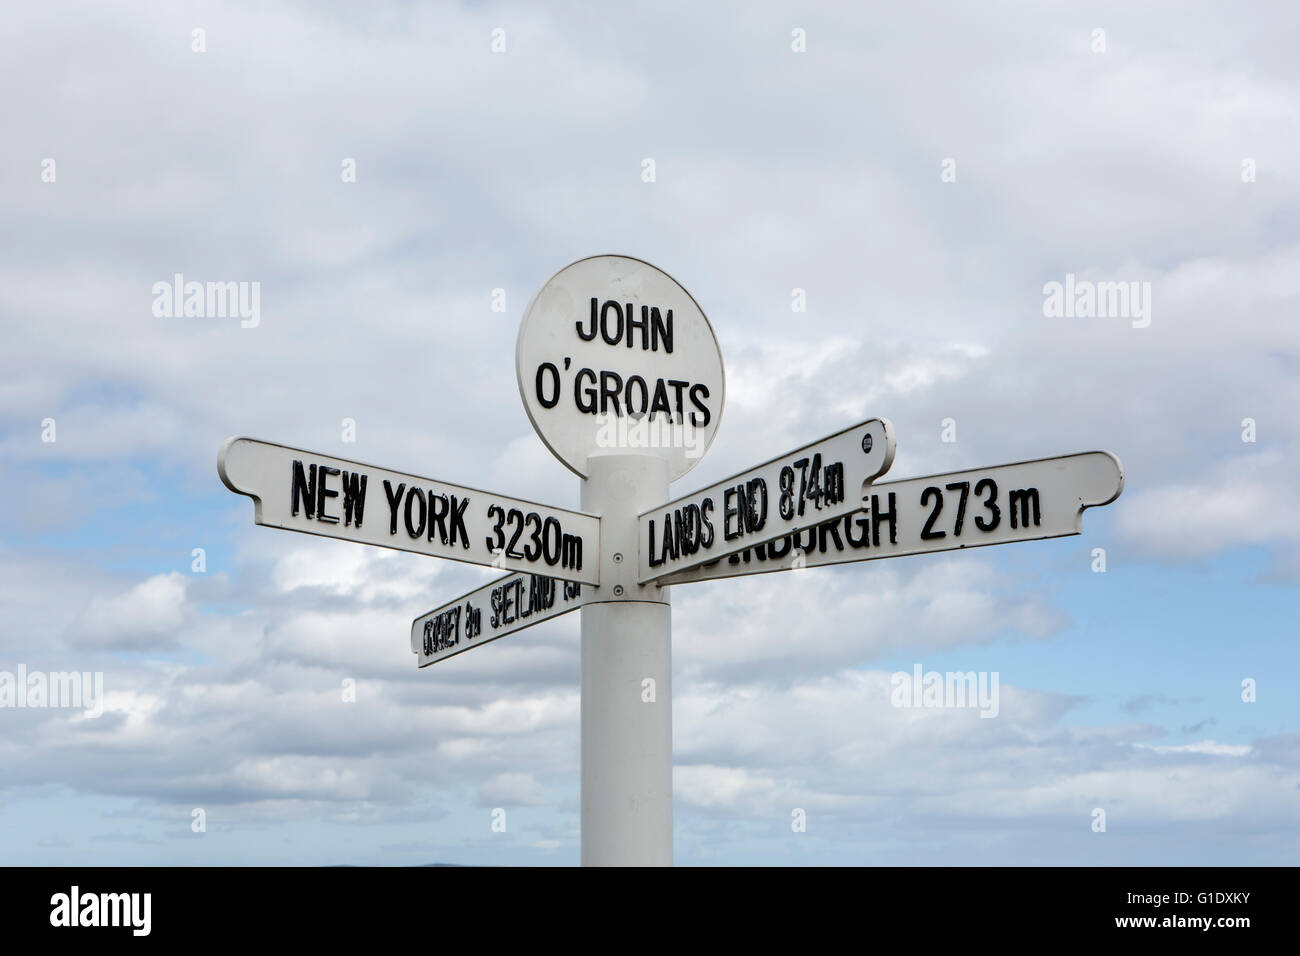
(800, 489)
(318, 494)
(999, 504)
(502, 607)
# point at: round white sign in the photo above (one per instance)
(614, 355)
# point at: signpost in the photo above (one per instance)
(621, 376)
(807, 486)
(613, 354)
(508, 604)
(1000, 504)
(304, 491)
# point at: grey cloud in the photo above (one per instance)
(477, 172)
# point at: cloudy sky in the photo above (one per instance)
(920, 171)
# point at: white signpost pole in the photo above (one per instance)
(621, 375)
(627, 709)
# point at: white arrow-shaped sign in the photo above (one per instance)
(304, 491)
(800, 489)
(1000, 504)
(508, 604)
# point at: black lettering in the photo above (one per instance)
(755, 504)
(525, 609)
(415, 494)
(706, 526)
(555, 385)
(495, 620)
(507, 601)
(694, 528)
(729, 511)
(448, 629)
(638, 408)
(696, 392)
(660, 401)
(991, 486)
(964, 488)
(833, 486)
(780, 547)
(878, 517)
(535, 551)
(643, 325)
(662, 330)
(572, 552)
(864, 523)
(590, 393)
(536, 594)
(323, 491)
(591, 334)
(611, 384)
(654, 563)
(928, 533)
(394, 499)
(551, 550)
(785, 503)
(302, 489)
(814, 492)
(354, 498)
(604, 323)
(442, 631)
(833, 530)
(678, 386)
(1024, 497)
(498, 530)
(438, 516)
(516, 517)
(458, 522)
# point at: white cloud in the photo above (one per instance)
(148, 615)
(1204, 747)
(775, 171)
(510, 789)
(1240, 502)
